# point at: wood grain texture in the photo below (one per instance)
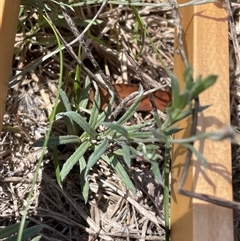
(9, 10)
(206, 43)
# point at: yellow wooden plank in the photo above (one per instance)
(205, 38)
(9, 10)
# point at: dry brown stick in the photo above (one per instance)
(72, 53)
(82, 42)
(143, 80)
(104, 82)
(76, 33)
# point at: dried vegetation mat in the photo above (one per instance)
(112, 212)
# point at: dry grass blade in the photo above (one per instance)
(141, 209)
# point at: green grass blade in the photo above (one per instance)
(132, 109)
(58, 140)
(95, 108)
(65, 101)
(27, 233)
(84, 182)
(142, 27)
(117, 166)
(126, 154)
(84, 97)
(20, 232)
(166, 200)
(106, 113)
(57, 166)
(117, 128)
(95, 156)
(10, 230)
(76, 117)
(74, 158)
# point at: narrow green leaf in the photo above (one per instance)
(57, 166)
(118, 128)
(99, 41)
(126, 154)
(27, 233)
(96, 155)
(117, 166)
(179, 105)
(188, 78)
(150, 154)
(156, 171)
(10, 230)
(171, 130)
(158, 121)
(142, 28)
(106, 113)
(119, 152)
(132, 109)
(74, 158)
(84, 182)
(166, 199)
(77, 89)
(58, 140)
(140, 134)
(159, 135)
(84, 98)
(65, 101)
(76, 117)
(134, 128)
(188, 112)
(202, 85)
(95, 108)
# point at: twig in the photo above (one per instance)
(144, 82)
(89, 25)
(122, 105)
(104, 82)
(77, 34)
(177, 22)
(81, 41)
(72, 53)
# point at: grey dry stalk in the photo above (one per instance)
(143, 80)
(72, 53)
(86, 49)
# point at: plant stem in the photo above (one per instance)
(166, 187)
